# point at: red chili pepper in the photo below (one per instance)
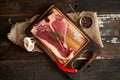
(66, 69)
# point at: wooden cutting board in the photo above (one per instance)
(76, 39)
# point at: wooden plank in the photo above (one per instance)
(109, 27)
(19, 10)
(110, 33)
(31, 7)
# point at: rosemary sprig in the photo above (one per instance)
(53, 37)
(57, 33)
(56, 36)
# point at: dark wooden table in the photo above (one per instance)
(18, 64)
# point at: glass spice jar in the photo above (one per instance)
(86, 22)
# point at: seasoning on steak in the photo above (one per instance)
(52, 32)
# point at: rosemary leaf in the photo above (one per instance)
(53, 37)
(56, 36)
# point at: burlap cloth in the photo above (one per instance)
(93, 32)
(17, 33)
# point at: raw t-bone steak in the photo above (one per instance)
(52, 32)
